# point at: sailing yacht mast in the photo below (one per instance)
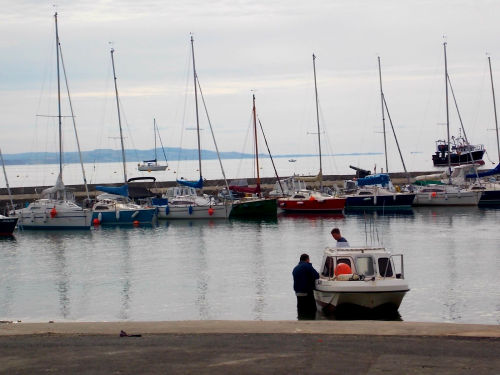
(196, 104)
(58, 98)
(6, 181)
(447, 111)
(256, 144)
(154, 133)
(382, 99)
(317, 120)
(494, 108)
(119, 118)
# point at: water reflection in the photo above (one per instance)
(58, 249)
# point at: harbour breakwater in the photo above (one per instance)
(21, 195)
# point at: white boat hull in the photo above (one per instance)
(172, 212)
(330, 295)
(151, 168)
(467, 198)
(41, 216)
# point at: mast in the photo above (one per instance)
(154, 134)
(6, 181)
(119, 118)
(383, 115)
(256, 144)
(495, 108)
(317, 120)
(196, 104)
(58, 98)
(447, 111)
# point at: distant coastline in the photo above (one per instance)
(109, 156)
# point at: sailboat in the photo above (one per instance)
(57, 208)
(115, 206)
(376, 192)
(255, 205)
(183, 201)
(311, 200)
(152, 165)
(447, 193)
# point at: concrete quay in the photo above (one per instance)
(250, 347)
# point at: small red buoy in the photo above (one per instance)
(210, 211)
(311, 198)
(96, 222)
(136, 223)
(53, 213)
(434, 194)
(342, 269)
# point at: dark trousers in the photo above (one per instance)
(306, 307)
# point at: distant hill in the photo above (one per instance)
(108, 155)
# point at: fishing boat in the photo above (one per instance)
(152, 165)
(310, 200)
(183, 201)
(114, 207)
(253, 204)
(459, 152)
(56, 209)
(364, 277)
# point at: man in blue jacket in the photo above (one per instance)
(304, 277)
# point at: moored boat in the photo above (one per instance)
(311, 201)
(7, 225)
(364, 277)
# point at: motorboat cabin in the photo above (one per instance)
(366, 277)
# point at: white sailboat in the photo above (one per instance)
(153, 165)
(452, 190)
(114, 206)
(57, 208)
(183, 201)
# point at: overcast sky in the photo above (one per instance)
(242, 46)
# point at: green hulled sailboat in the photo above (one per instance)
(254, 205)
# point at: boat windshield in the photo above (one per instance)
(364, 266)
(384, 267)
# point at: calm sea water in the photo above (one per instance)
(242, 269)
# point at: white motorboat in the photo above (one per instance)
(182, 202)
(370, 281)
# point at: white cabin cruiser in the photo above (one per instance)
(360, 276)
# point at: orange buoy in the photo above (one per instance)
(210, 211)
(342, 269)
(53, 212)
(136, 223)
(311, 198)
(96, 222)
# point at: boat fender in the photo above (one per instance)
(190, 210)
(210, 211)
(135, 214)
(53, 212)
(167, 210)
(117, 214)
(99, 217)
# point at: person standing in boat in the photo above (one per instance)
(341, 241)
(304, 278)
